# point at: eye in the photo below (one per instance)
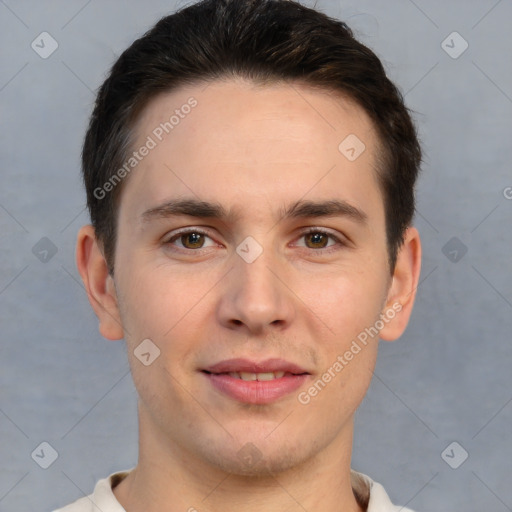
(318, 239)
(189, 239)
(195, 239)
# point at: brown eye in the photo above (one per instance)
(321, 241)
(317, 239)
(192, 240)
(189, 240)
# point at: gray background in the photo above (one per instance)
(447, 379)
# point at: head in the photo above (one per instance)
(251, 121)
(262, 41)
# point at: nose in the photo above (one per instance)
(255, 297)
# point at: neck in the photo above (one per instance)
(169, 478)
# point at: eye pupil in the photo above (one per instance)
(317, 238)
(195, 239)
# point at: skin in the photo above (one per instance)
(253, 149)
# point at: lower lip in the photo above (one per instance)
(254, 391)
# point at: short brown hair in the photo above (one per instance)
(265, 41)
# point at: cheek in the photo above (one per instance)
(348, 351)
(166, 307)
(347, 302)
(342, 385)
(152, 300)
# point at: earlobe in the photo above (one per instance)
(402, 291)
(99, 285)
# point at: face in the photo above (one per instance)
(282, 272)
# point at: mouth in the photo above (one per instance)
(248, 376)
(256, 382)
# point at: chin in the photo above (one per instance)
(259, 466)
(259, 457)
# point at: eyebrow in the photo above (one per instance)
(299, 209)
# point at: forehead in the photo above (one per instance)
(235, 139)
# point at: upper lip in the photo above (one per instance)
(246, 365)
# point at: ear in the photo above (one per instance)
(402, 291)
(99, 284)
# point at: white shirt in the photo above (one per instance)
(103, 499)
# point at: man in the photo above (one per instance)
(249, 172)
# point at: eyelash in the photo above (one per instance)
(326, 250)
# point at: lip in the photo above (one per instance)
(256, 392)
(246, 365)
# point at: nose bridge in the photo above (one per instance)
(257, 285)
(254, 295)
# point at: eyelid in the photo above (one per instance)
(183, 231)
(341, 241)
